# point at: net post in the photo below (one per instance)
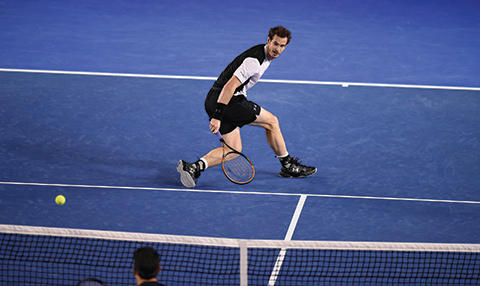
(243, 263)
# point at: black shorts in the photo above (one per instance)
(238, 113)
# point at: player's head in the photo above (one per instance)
(147, 262)
(280, 32)
(278, 39)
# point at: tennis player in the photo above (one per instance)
(229, 109)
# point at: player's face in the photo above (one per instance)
(275, 46)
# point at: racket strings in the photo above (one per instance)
(238, 168)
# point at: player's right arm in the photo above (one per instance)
(224, 98)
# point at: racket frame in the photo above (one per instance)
(225, 154)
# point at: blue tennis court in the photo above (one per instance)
(99, 101)
(130, 132)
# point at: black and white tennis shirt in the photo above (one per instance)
(248, 67)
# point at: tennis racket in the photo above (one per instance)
(236, 166)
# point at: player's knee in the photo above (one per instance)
(268, 121)
(273, 122)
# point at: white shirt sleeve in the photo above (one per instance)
(248, 68)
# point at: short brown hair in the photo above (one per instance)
(281, 32)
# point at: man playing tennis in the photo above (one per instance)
(228, 109)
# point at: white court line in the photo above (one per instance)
(240, 192)
(108, 74)
(343, 84)
(296, 216)
(288, 237)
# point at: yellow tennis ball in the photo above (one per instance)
(60, 200)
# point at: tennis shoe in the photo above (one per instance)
(189, 173)
(291, 168)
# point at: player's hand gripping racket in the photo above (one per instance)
(236, 166)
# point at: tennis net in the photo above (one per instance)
(58, 256)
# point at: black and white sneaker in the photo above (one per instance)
(291, 168)
(189, 173)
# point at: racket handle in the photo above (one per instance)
(219, 135)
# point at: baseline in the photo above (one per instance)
(343, 84)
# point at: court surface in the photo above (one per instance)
(395, 163)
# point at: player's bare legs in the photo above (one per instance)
(190, 172)
(270, 123)
(233, 139)
(291, 167)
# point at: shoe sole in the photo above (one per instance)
(304, 176)
(185, 177)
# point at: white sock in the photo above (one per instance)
(279, 157)
(204, 162)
